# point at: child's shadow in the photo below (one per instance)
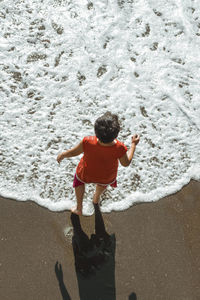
(94, 260)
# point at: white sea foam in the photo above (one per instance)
(64, 63)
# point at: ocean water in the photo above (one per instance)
(64, 63)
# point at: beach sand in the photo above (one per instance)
(153, 254)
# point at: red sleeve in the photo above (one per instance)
(86, 141)
(122, 150)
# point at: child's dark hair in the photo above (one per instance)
(107, 127)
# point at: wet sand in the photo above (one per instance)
(155, 252)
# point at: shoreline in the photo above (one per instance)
(157, 250)
(51, 207)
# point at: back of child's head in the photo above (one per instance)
(107, 127)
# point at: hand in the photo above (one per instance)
(58, 271)
(135, 139)
(59, 158)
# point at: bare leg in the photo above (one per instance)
(99, 190)
(79, 191)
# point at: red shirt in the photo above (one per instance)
(99, 163)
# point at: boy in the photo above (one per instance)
(99, 163)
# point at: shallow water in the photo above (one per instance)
(64, 63)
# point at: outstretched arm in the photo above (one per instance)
(70, 153)
(126, 159)
(59, 275)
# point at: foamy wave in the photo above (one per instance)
(64, 63)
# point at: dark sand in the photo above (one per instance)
(157, 253)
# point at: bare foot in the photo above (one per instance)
(76, 211)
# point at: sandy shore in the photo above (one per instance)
(153, 251)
